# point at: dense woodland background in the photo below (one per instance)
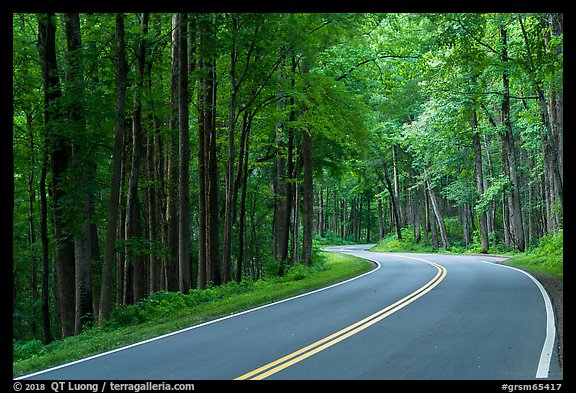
(176, 151)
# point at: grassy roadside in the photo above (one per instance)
(163, 313)
(544, 258)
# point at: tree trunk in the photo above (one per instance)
(84, 172)
(208, 258)
(508, 139)
(133, 225)
(308, 195)
(184, 161)
(438, 215)
(171, 266)
(230, 200)
(396, 186)
(479, 182)
(430, 222)
(60, 153)
(393, 200)
(243, 175)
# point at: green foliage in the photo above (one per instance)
(547, 256)
(164, 303)
(23, 349)
(391, 243)
(361, 85)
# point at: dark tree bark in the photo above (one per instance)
(60, 152)
(184, 161)
(84, 172)
(106, 299)
(171, 265)
(46, 322)
(133, 226)
(208, 247)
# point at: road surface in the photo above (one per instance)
(415, 316)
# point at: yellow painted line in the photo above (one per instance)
(320, 345)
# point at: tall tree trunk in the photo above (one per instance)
(508, 139)
(84, 172)
(243, 176)
(60, 153)
(381, 227)
(230, 195)
(308, 195)
(416, 214)
(208, 248)
(31, 227)
(133, 227)
(393, 200)
(396, 185)
(438, 215)
(46, 323)
(430, 222)
(171, 263)
(184, 161)
(479, 182)
(119, 130)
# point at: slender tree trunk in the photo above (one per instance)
(46, 323)
(431, 223)
(381, 227)
(438, 215)
(31, 227)
(208, 259)
(171, 265)
(508, 139)
(391, 192)
(133, 226)
(479, 182)
(308, 198)
(416, 215)
(396, 186)
(184, 161)
(244, 176)
(230, 200)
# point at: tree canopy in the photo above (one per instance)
(158, 151)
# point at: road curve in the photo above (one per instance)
(416, 316)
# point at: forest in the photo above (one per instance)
(169, 152)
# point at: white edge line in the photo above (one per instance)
(547, 349)
(202, 324)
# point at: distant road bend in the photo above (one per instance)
(415, 316)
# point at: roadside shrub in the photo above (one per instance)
(26, 349)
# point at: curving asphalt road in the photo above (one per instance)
(416, 316)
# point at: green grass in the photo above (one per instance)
(166, 312)
(547, 257)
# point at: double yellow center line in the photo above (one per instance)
(320, 345)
